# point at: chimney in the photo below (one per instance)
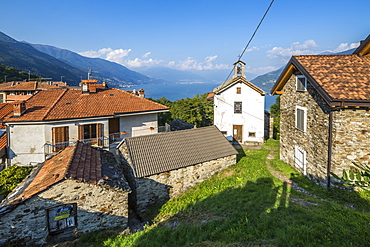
(141, 93)
(89, 86)
(19, 107)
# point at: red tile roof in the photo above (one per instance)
(58, 104)
(5, 109)
(81, 162)
(343, 77)
(3, 141)
(26, 86)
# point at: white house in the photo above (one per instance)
(239, 108)
(51, 119)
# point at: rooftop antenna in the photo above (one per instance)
(89, 73)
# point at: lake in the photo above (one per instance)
(175, 92)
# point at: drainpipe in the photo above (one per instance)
(330, 145)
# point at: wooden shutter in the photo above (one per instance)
(99, 133)
(80, 132)
(60, 137)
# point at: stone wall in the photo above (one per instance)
(351, 138)
(98, 207)
(159, 188)
(315, 140)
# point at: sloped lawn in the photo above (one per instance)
(245, 205)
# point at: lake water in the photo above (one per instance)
(175, 92)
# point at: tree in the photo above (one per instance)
(275, 110)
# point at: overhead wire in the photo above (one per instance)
(251, 38)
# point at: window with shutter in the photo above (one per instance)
(60, 137)
(91, 133)
(301, 83)
(300, 159)
(238, 90)
(301, 118)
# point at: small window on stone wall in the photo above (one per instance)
(301, 83)
(251, 134)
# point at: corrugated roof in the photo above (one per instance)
(58, 104)
(153, 154)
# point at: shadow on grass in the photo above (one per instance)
(259, 213)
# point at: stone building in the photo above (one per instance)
(79, 190)
(163, 166)
(325, 117)
(239, 108)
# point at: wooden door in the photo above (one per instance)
(60, 138)
(238, 133)
(113, 125)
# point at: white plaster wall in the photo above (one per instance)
(26, 144)
(252, 118)
(27, 141)
(139, 125)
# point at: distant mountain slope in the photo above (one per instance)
(24, 57)
(113, 73)
(172, 75)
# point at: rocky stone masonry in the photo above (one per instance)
(351, 138)
(98, 207)
(159, 188)
(314, 141)
(350, 133)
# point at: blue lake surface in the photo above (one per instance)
(175, 92)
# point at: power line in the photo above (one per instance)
(254, 33)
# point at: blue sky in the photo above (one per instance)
(189, 35)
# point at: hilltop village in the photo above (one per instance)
(98, 155)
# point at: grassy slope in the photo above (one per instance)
(246, 206)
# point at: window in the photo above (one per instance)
(301, 83)
(60, 138)
(301, 118)
(300, 159)
(251, 134)
(237, 107)
(238, 90)
(91, 133)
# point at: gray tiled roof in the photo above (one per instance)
(153, 154)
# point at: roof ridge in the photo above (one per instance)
(55, 102)
(140, 97)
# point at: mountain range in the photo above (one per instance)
(56, 63)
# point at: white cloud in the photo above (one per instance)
(137, 63)
(192, 64)
(108, 54)
(345, 47)
(254, 48)
(295, 49)
(146, 55)
(121, 56)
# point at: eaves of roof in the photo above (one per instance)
(294, 65)
(229, 83)
(364, 48)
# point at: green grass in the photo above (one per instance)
(245, 205)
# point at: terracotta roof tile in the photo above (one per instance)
(153, 154)
(81, 162)
(60, 104)
(30, 85)
(5, 109)
(343, 77)
(3, 141)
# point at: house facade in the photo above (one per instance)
(239, 108)
(52, 119)
(324, 111)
